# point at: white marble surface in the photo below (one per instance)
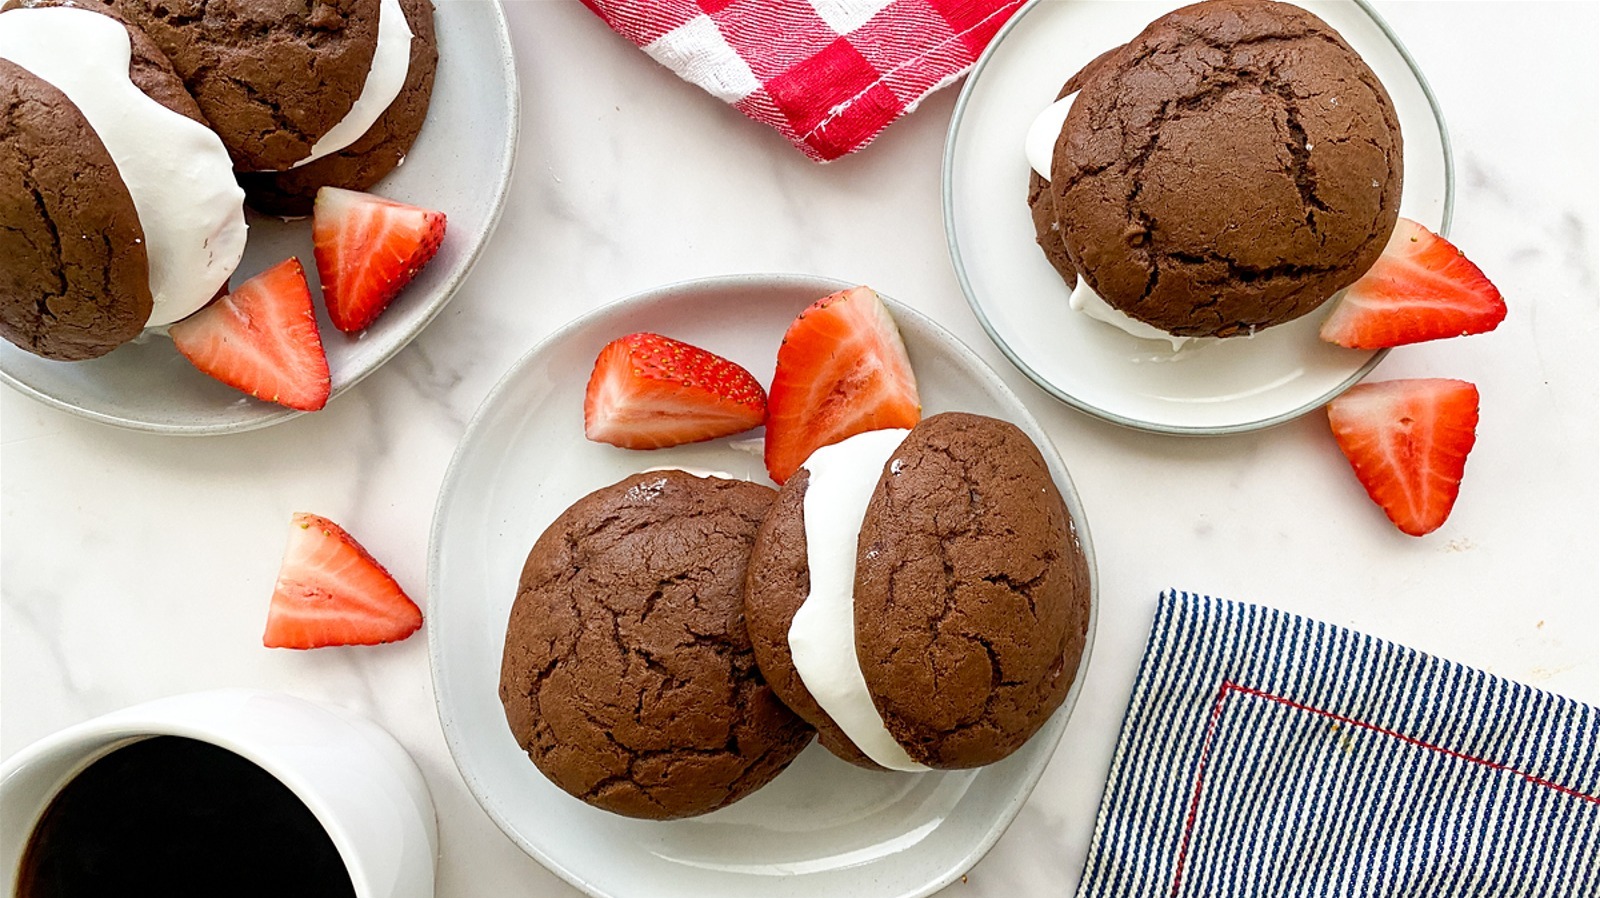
(137, 566)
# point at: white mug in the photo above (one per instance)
(362, 786)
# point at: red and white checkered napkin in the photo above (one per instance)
(828, 74)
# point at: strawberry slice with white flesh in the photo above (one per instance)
(331, 591)
(262, 339)
(368, 249)
(649, 392)
(1408, 442)
(842, 370)
(1422, 288)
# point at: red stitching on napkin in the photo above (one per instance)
(1228, 686)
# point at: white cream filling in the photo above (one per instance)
(1040, 148)
(1040, 144)
(391, 61)
(822, 637)
(176, 170)
(1085, 300)
(702, 473)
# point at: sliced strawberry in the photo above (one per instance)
(1408, 442)
(649, 391)
(262, 338)
(1421, 288)
(331, 592)
(367, 249)
(842, 370)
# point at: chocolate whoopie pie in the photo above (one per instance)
(273, 76)
(62, 298)
(1230, 168)
(379, 151)
(628, 675)
(971, 595)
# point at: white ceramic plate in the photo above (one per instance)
(460, 164)
(823, 827)
(1223, 386)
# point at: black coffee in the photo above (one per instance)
(175, 817)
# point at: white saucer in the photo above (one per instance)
(1223, 386)
(460, 164)
(823, 827)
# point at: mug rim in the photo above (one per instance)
(183, 715)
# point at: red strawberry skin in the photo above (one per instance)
(1408, 442)
(367, 250)
(262, 339)
(1422, 288)
(649, 392)
(330, 591)
(842, 370)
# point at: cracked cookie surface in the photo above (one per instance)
(972, 592)
(628, 674)
(272, 76)
(377, 152)
(1229, 169)
(74, 276)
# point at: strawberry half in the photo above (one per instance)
(1421, 288)
(367, 249)
(331, 592)
(262, 338)
(842, 370)
(1408, 442)
(649, 391)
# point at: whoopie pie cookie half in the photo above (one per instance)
(628, 674)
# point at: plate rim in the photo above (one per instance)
(946, 186)
(513, 107)
(1053, 728)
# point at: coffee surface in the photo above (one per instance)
(175, 816)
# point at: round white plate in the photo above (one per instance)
(1220, 386)
(460, 165)
(823, 827)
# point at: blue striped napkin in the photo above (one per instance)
(1264, 754)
